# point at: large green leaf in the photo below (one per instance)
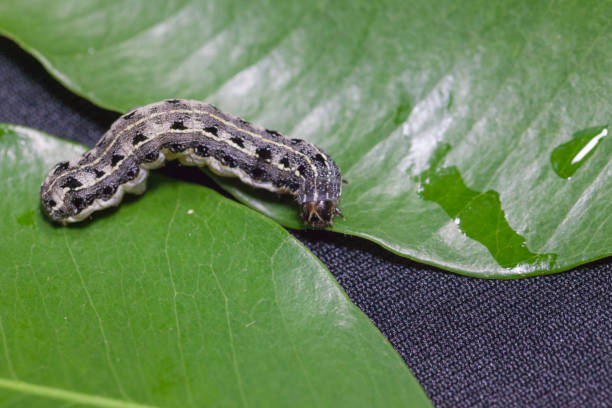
(179, 298)
(452, 121)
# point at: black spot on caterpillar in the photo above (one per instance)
(178, 125)
(61, 167)
(116, 158)
(138, 137)
(211, 129)
(237, 141)
(98, 173)
(197, 134)
(285, 162)
(264, 153)
(71, 183)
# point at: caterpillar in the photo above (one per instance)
(197, 134)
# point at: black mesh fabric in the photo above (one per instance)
(537, 342)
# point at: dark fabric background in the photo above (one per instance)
(536, 342)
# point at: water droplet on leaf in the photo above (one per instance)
(570, 156)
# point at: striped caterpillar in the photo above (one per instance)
(197, 134)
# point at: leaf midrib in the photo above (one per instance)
(66, 395)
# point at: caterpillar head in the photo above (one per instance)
(321, 213)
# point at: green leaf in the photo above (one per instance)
(178, 298)
(443, 116)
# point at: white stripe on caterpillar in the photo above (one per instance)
(197, 134)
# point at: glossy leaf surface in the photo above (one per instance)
(179, 298)
(386, 87)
